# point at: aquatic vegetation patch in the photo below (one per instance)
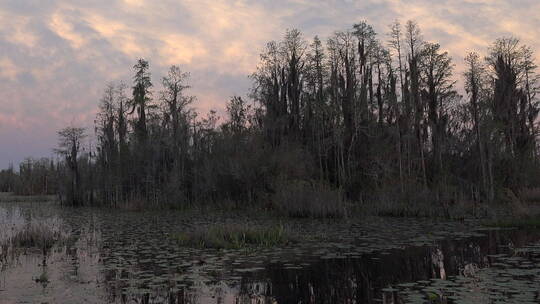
(135, 261)
(234, 236)
(43, 279)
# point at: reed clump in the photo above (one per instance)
(20, 231)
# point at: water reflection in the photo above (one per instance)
(117, 257)
(363, 279)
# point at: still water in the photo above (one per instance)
(130, 257)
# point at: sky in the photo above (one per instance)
(57, 56)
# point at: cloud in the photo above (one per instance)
(57, 55)
(65, 29)
(8, 69)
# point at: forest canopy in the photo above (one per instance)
(358, 117)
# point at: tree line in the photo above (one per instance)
(34, 177)
(360, 115)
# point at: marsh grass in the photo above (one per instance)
(412, 202)
(234, 236)
(12, 198)
(415, 201)
(40, 233)
(19, 231)
(521, 223)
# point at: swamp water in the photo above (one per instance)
(125, 257)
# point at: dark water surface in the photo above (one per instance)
(128, 257)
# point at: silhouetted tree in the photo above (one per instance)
(69, 146)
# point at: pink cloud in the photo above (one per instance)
(57, 57)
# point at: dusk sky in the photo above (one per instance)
(56, 56)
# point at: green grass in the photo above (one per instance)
(522, 223)
(234, 237)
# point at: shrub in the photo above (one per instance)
(392, 202)
(415, 200)
(304, 199)
(531, 195)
